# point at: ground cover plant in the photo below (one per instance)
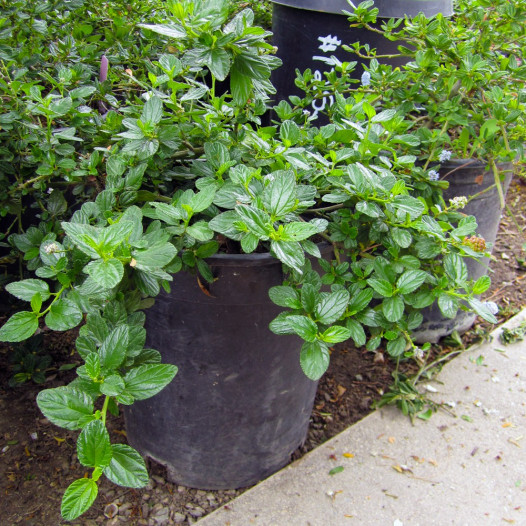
(146, 168)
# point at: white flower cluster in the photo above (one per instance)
(444, 156)
(366, 78)
(458, 202)
(51, 248)
(433, 175)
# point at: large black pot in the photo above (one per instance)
(240, 403)
(468, 178)
(308, 33)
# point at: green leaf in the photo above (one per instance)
(289, 133)
(200, 231)
(455, 268)
(152, 111)
(383, 116)
(249, 243)
(112, 385)
(309, 297)
(401, 237)
(218, 61)
(290, 253)
(63, 315)
(256, 220)
(127, 467)
(337, 469)
(393, 308)
(448, 305)
(482, 310)
(360, 300)
(169, 30)
(225, 224)
(92, 364)
(85, 237)
(404, 204)
(66, 407)
(314, 359)
(112, 352)
(304, 327)
(280, 324)
(147, 380)
(107, 274)
(240, 86)
(336, 334)
(114, 235)
(93, 445)
(356, 332)
(285, 296)
(281, 193)
(332, 306)
(369, 209)
(78, 498)
(27, 288)
(410, 280)
(155, 257)
(396, 347)
(297, 231)
(203, 199)
(382, 286)
(482, 285)
(19, 327)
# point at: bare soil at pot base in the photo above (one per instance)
(38, 459)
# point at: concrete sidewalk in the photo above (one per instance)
(467, 467)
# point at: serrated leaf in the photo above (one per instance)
(393, 308)
(107, 274)
(448, 305)
(410, 280)
(256, 220)
(304, 327)
(482, 285)
(152, 110)
(127, 467)
(297, 231)
(19, 327)
(382, 286)
(290, 253)
(93, 445)
(154, 257)
(281, 193)
(360, 300)
(285, 296)
(63, 315)
(200, 231)
(85, 237)
(78, 498)
(112, 352)
(147, 380)
(356, 332)
(280, 324)
(66, 407)
(336, 334)
(455, 268)
(396, 347)
(112, 385)
(27, 288)
(332, 306)
(314, 359)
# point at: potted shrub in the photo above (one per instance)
(462, 98)
(175, 183)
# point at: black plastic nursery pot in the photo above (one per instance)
(240, 403)
(309, 33)
(468, 178)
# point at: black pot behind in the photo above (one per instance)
(240, 403)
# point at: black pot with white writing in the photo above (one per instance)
(240, 404)
(468, 178)
(309, 34)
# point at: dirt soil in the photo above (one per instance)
(38, 459)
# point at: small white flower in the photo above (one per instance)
(366, 78)
(492, 307)
(444, 156)
(458, 202)
(433, 175)
(306, 112)
(49, 190)
(419, 353)
(51, 248)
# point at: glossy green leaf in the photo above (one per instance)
(332, 306)
(382, 286)
(396, 347)
(127, 467)
(154, 257)
(93, 445)
(289, 132)
(448, 305)
(285, 296)
(455, 268)
(78, 498)
(147, 380)
(113, 350)
(19, 327)
(336, 334)
(393, 308)
(200, 231)
(85, 237)
(256, 220)
(297, 231)
(482, 285)
(107, 274)
(356, 332)
(280, 193)
(410, 280)
(483, 310)
(112, 385)
(27, 288)
(314, 359)
(152, 110)
(66, 407)
(63, 315)
(290, 253)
